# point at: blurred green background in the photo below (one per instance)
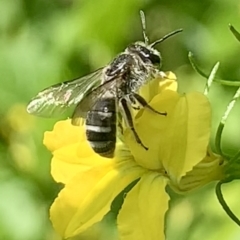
(43, 42)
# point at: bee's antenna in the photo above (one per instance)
(166, 37)
(143, 20)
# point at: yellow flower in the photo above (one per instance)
(177, 143)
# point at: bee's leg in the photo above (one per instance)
(129, 121)
(133, 102)
(119, 127)
(144, 103)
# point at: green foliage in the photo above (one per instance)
(44, 42)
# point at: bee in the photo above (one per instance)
(101, 95)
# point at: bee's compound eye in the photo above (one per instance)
(149, 55)
(155, 59)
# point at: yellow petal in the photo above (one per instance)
(106, 229)
(169, 83)
(142, 214)
(211, 168)
(87, 197)
(177, 141)
(150, 128)
(63, 134)
(158, 85)
(71, 151)
(68, 161)
(187, 135)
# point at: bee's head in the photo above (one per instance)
(147, 53)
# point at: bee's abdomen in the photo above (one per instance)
(101, 127)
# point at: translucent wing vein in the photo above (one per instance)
(55, 100)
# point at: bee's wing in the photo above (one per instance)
(55, 100)
(107, 89)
